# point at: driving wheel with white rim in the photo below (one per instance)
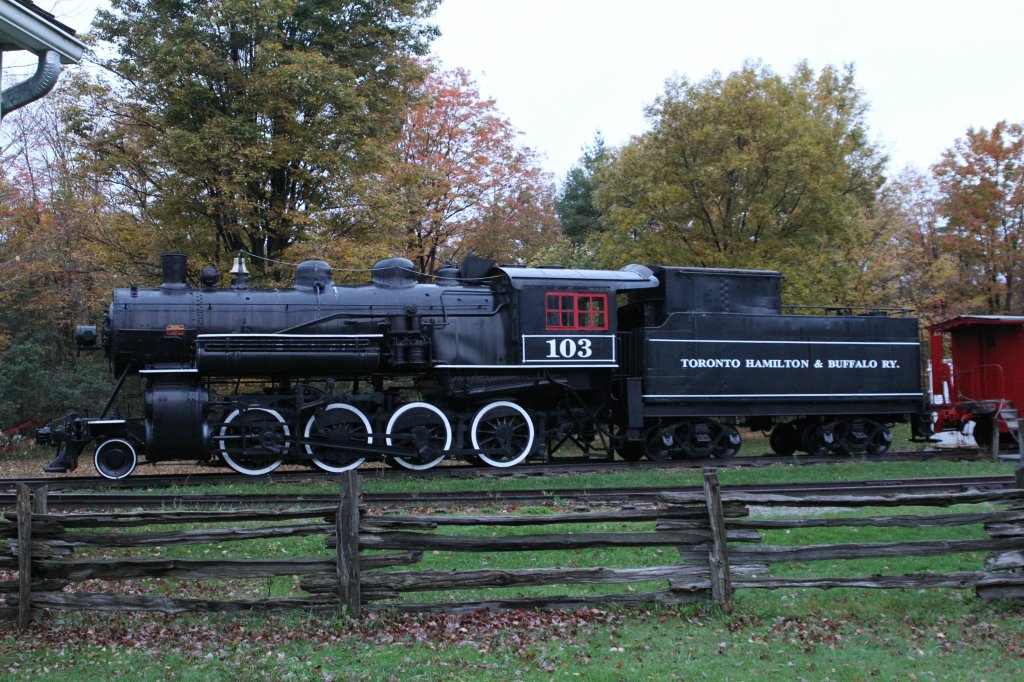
(339, 424)
(502, 434)
(252, 441)
(422, 428)
(115, 458)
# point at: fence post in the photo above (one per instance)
(718, 557)
(40, 500)
(23, 508)
(347, 524)
(1020, 439)
(995, 433)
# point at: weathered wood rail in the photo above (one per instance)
(715, 535)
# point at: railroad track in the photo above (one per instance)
(66, 500)
(574, 466)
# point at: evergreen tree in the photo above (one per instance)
(575, 205)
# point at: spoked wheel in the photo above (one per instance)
(340, 425)
(502, 434)
(252, 441)
(423, 428)
(115, 458)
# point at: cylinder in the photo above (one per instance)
(176, 420)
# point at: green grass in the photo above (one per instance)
(771, 637)
(787, 472)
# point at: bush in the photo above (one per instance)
(30, 390)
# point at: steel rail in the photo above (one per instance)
(156, 480)
(541, 495)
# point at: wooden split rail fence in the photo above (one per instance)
(714, 542)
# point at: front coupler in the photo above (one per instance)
(69, 439)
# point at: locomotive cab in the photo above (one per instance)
(568, 318)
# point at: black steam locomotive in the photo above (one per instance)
(488, 364)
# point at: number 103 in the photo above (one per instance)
(569, 348)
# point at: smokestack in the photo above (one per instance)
(175, 266)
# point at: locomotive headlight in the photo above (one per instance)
(85, 336)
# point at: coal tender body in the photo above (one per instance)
(707, 350)
(488, 364)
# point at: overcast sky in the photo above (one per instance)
(562, 69)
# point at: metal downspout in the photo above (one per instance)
(35, 87)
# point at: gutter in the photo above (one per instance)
(28, 30)
(35, 87)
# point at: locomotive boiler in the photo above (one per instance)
(488, 364)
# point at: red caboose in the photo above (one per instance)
(985, 378)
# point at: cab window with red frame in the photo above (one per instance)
(564, 311)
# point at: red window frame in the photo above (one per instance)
(575, 312)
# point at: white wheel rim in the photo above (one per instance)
(414, 466)
(476, 443)
(102, 472)
(235, 465)
(327, 466)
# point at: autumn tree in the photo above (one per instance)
(981, 183)
(239, 125)
(917, 267)
(749, 170)
(462, 181)
(49, 282)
